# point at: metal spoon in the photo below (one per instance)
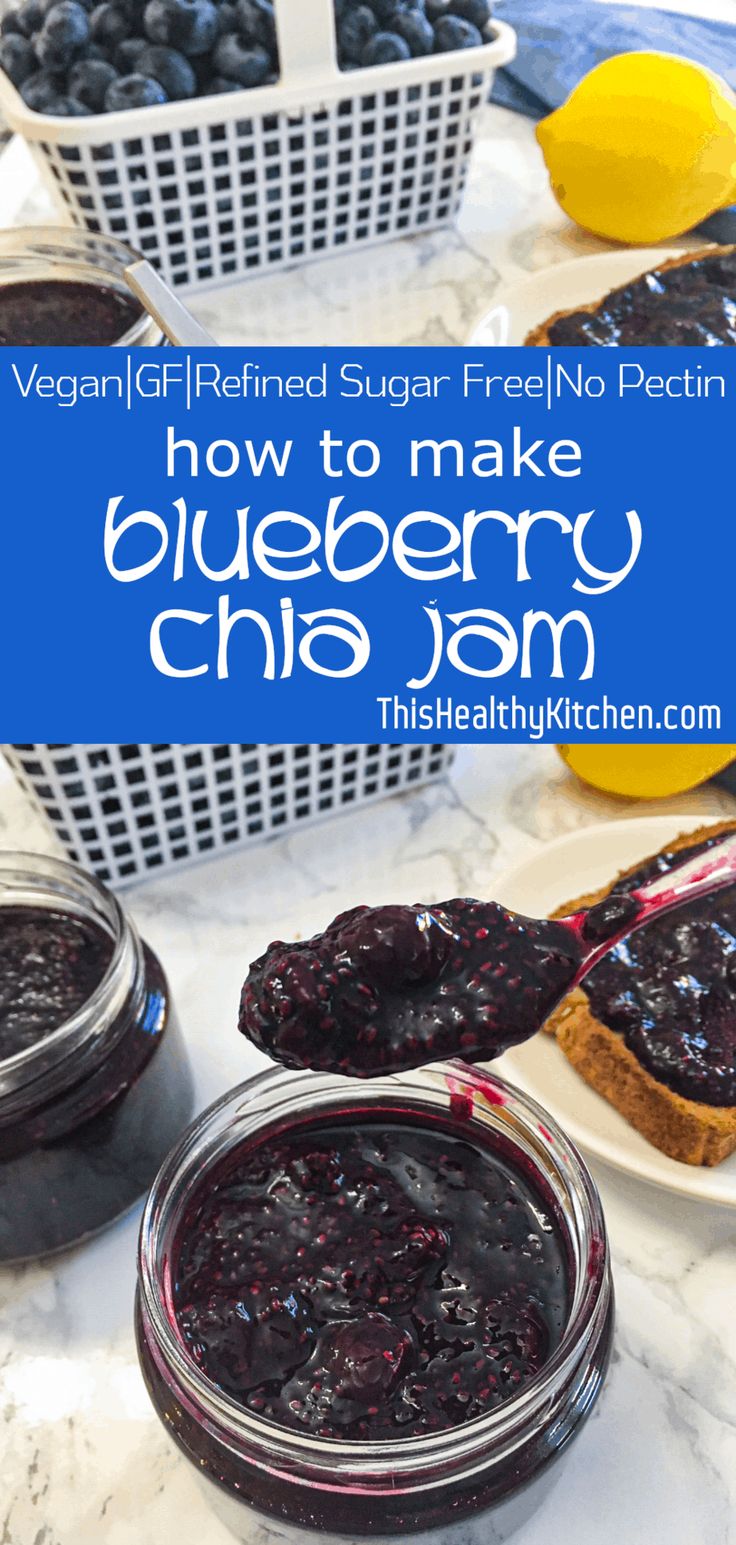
(388, 988)
(173, 318)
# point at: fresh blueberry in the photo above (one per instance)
(88, 82)
(63, 35)
(435, 9)
(133, 91)
(219, 84)
(43, 94)
(478, 12)
(10, 25)
(385, 48)
(356, 28)
(227, 17)
(189, 25)
(169, 67)
(28, 18)
(40, 90)
(453, 32)
(68, 107)
(128, 53)
(108, 25)
(388, 10)
(414, 28)
(17, 57)
(236, 60)
(257, 22)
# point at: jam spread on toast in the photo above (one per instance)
(670, 988)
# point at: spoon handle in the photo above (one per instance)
(175, 321)
(600, 927)
(707, 871)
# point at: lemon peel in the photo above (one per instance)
(644, 148)
(646, 772)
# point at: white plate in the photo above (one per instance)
(562, 870)
(562, 287)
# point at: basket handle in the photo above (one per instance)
(307, 42)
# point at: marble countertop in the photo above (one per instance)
(84, 1460)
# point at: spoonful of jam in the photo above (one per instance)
(388, 988)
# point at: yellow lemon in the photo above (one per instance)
(644, 148)
(646, 772)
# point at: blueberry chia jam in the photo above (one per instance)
(668, 989)
(50, 964)
(374, 1310)
(689, 303)
(386, 988)
(65, 312)
(67, 288)
(370, 1281)
(94, 1082)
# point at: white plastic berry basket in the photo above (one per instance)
(212, 189)
(124, 811)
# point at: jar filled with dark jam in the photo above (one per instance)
(94, 1080)
(63, 287)
(375, 1311)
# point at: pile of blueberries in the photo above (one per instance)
(75, 57)
(385, 31)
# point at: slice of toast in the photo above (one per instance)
(684, 1129)
(539, 336)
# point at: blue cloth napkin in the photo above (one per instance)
(560, 40)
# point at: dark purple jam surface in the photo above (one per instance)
(692, 304)
(50, 964)
(370, 1281)
(670, 989)
(385, 988)
(66, 312)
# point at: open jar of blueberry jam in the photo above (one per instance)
(94, 1081)
(374, 1311)
(67, 288)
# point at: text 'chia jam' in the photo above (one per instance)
(670, 988)
(64, 312)
(370, 1281)
(50, 964)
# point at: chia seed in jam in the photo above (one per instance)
(373, 1311)
(50, 964)
(670, 988)
(369, 1282)
(389, 988)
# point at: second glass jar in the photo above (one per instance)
(87, 1112)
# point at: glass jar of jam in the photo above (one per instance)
(68, 288)
(94, 1080)
(374, 1311)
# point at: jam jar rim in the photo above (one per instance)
(58, 242)
(533, 1131)
(69, 1052)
